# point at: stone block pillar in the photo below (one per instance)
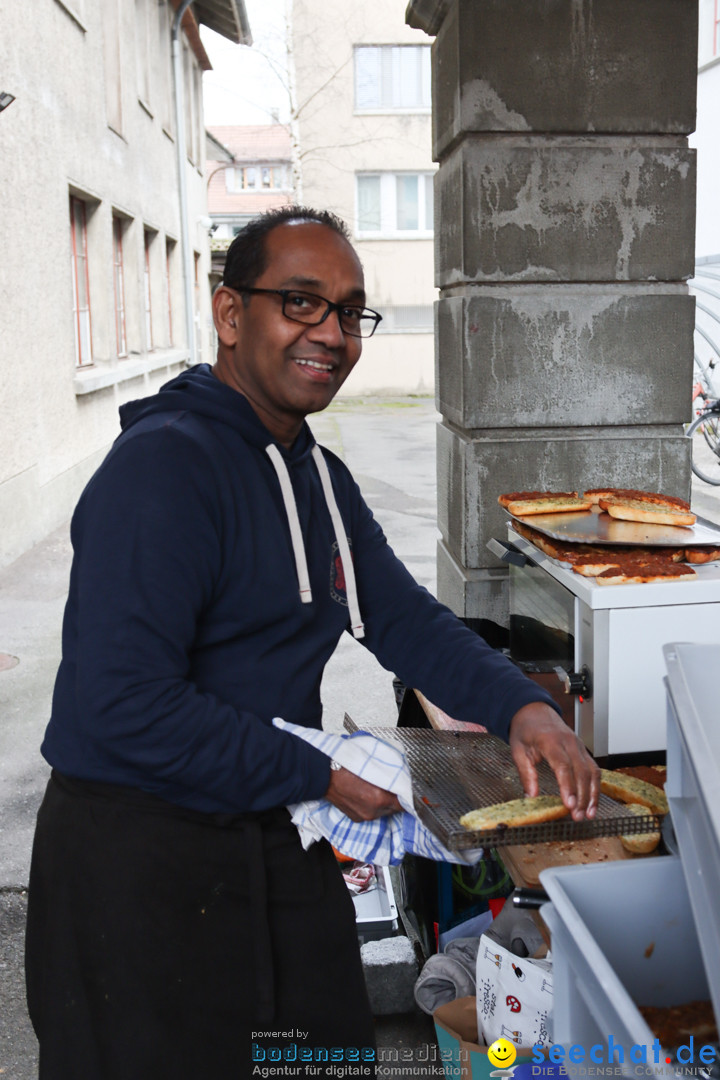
(565, 215)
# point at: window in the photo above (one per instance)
(196, 305)
(143, 51)
(148, 236)
(395, 204)
(81, 282)
(113, 65)
(188, 87)
(119, 279)
(407, 319)
(392, 78)
(164, 66)
(169, 249)
(257, 177)
(708, 32)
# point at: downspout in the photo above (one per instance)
(181, 148)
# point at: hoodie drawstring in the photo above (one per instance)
(344, 548)
(293, 521)
(296, 534)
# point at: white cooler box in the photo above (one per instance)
(376, 912)
(647, 931)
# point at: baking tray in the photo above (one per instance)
(597, 527)
(455, 771)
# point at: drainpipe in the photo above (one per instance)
(181, 148)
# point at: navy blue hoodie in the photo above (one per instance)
(185, 634)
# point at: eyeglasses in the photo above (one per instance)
(305, 307)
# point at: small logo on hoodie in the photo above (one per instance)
(337, 576)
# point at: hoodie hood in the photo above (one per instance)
(198, 391)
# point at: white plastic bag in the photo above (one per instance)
(514, 996)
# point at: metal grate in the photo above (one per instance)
(454, 772)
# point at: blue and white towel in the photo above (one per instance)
(385, 840)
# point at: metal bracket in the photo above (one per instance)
(506, 552)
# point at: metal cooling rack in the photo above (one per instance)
(454, 772)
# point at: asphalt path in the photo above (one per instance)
(390, 448)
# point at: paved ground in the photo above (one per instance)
(390, 447)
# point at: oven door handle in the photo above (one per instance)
(506, 552)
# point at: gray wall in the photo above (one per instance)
(565, 216)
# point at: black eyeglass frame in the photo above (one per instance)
(329, 308)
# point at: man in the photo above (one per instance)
(174, 919)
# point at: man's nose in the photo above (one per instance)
(329, 331)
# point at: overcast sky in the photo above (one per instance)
(241, 88)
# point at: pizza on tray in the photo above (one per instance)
(613, 564)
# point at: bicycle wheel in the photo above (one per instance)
(705, 434)
(711, 431)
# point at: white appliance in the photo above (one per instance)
(607, 642)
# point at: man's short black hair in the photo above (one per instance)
(245, 260)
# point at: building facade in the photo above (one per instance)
(362, 107)
(254, 176)
(96, 313)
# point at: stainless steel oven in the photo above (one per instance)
(598, 649)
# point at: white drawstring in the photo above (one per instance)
(349, 571)
(296, 533)
(293, 521)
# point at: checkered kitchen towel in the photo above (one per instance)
(385, 840)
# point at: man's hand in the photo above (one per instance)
(537, 732)
(358, 799)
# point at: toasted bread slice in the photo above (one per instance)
(648, 512)
(591, 565)
(628, 789)
(515, 496)
(651, 774)
(644, 574)
(596, 494)
(548, 504)
(629, 559)
(699, 555)
(640, 843)
(529, 811)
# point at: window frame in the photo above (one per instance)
(79, 266)
(389, 73)
(148, 237)
(119, 288)
(236, 177)
(169, 247)
(389, 217)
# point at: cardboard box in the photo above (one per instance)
(463, 1058)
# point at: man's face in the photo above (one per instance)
(288, 369)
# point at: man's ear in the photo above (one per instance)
(225, 314)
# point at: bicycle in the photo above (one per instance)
(706, 452)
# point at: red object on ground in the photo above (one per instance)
(496, 905)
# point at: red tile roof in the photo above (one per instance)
(255, 142)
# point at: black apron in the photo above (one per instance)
(164, 942)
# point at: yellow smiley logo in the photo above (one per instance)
(502, 1053)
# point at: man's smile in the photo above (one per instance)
(317, 365)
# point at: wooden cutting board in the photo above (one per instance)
(524, 862)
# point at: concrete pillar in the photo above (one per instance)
(565, 210)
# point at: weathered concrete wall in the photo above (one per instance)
(58, 421)
(565, 207)
(564, 66)
(567, 210)
(565, 356)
